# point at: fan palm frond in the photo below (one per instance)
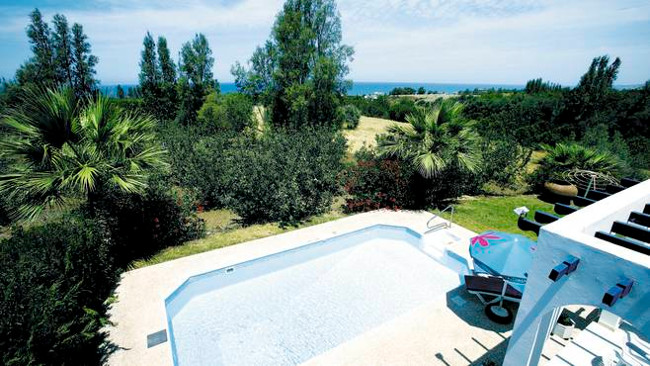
(59, 147)
(434, 138)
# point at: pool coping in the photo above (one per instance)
(140, 307)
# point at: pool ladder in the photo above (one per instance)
(445, 225)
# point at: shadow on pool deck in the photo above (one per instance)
(470, 309)
(472, 350)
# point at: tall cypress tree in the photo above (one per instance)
(150, 77)
(84, 63)
(196, 80)
(167, 67)
(167, 105)
(62, 44)
(149, 72)
(39, 36)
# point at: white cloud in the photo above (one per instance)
(498, 41)
(553, 40)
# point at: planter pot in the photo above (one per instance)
(564, 189)
(564, 331)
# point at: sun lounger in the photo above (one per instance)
(562, 209)
(492, 291)
(545, 217)
(528, 225)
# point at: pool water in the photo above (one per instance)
(289, 307)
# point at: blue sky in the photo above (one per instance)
(464, 41)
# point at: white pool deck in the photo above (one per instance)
(450, 331)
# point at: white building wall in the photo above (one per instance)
(602, 265)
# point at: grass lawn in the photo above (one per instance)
(495, 213)
(223, 229)
(365, 133)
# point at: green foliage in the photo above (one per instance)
(503, 161)
(435, 139)
(528, 120)
(562, 158)
(55, 280)
(196, 80)
(257, 81)
(401, 108)
(299, 74)
(143, 224)
(285, 177)
(348, 116)
(395, 108)
(540, 86)
(379, 107)
(158, 84)
(167, 101)
(43, 69)
(403, 91)
(61, 58)
(584, 104)
(149, 71)
(62, 45)
(150, 77)
(615, 121)
(282, 176)
(227, 112)
(60, 148)
(85, 84)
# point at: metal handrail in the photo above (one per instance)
(443, 224)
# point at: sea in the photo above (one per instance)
(367, 87)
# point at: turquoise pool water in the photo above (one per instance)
(286, 308)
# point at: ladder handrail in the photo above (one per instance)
(450, 221)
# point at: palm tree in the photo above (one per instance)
(565, 157)
(59, 148)
(434, 138)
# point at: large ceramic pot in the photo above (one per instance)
(562, 189)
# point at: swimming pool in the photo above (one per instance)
(288, 307)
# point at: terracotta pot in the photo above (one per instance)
(565, 190)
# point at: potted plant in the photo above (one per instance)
(564, 327)
(561, 188)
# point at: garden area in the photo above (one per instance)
(94, 185)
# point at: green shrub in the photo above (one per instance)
(226, 112)
(55, 280)
(238, 111)
(197, 161)
(283, 176)
(348, 116)
(378, 107)
(503, 161)
(141, 225)
(133, 105)
(401, 108)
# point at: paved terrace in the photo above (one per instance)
(452, 330)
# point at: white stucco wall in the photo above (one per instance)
(602, 265)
